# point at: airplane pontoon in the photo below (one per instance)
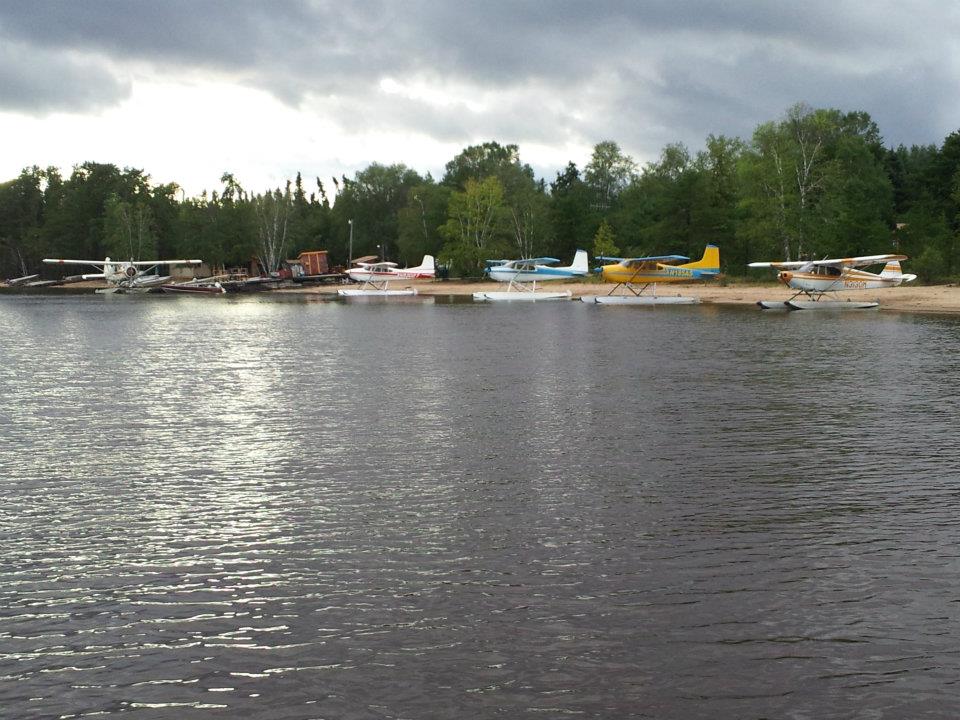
(816, 279)
(633, 276)
(523, 275)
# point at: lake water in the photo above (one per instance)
(267, 508)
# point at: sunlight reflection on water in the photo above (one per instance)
(284, 509)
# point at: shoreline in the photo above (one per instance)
(939, 299)
(944, 299)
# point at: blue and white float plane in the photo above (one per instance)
(523, 275)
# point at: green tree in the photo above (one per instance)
(474, 219)
(659, 211)
(608, 173)
(22, 211)
(717, 209)
(75, 222)
(373, 200)
(128, 230)
(419, 221)
(528, 212)
(479, 162)
(812, 182)
(572, 219)
(311, 219)
(604, 242)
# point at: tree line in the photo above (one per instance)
(814, 183)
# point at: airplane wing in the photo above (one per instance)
(784, 264)
(377, 266)
(859, 261)
(148, 263)
(539, 261)
(59, 261)
(101, 263)
(665, 259)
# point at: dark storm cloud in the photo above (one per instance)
(643, 73)
(33, 79)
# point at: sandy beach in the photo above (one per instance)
(907, 298)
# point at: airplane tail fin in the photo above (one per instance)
(580, 264)
(891, 271)
(426, 266)
(709, 264)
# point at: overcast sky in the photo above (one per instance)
(189, 89)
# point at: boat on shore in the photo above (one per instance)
(197, 286)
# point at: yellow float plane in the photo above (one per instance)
(637, 274)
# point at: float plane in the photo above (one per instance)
(376, 276)
(815, 279)
(130, 276)
(635, 275)
(523, 275)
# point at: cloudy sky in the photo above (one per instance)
(189, 89)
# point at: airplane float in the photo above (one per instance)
(523, 275)
(131, 276)
(815, 279)
(376, 277)
(643, 272)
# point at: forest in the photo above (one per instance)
(814, 183)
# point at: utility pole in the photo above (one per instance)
(350, 259)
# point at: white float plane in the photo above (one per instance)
(376, 277)
(817, 278)
(522, 276)
(129, 276)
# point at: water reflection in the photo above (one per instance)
(325, 509)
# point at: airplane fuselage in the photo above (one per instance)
(653, 273)
(538, 274)
(847, 279)
(378, 276)
(651, 270)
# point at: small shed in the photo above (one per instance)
(291, 269)
(314, 262)
(187, 272)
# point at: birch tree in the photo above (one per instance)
(272, 211)
(129, 230)
(474, 219)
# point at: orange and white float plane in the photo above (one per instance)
(818, 278)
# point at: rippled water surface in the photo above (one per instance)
(288, 509)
